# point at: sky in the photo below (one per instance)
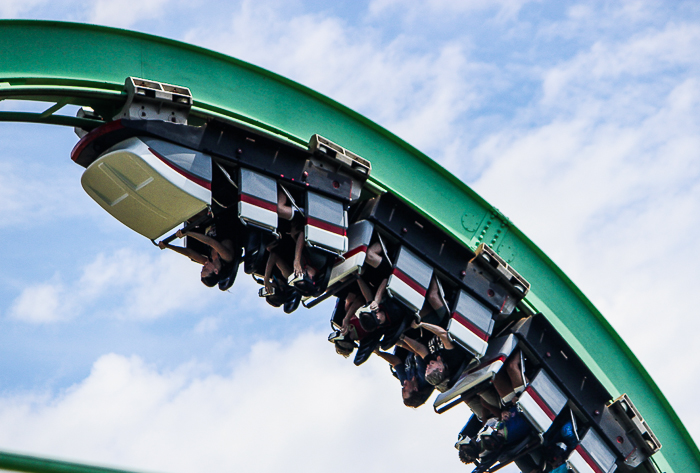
(578, 120)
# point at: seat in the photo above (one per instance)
(508, 454)
(326, 224)
(338, 314)
(315, 287)
(366, 347)
(227, 278)
(359, 238)
(477, 378)
(292, 303)
(471, 324)
(470, 429)
(409, 280)
(542, 401)
(255, 250)
(394, 332)
(592, 455)
(257, 204)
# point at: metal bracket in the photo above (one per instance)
(345, 157)
(85, 112)
(152, 100)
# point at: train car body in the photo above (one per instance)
(155, 175)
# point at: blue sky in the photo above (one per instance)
(578, 120)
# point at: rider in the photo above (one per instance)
(219, 260)
(409, 369)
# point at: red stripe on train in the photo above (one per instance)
(329, 227)
(354, 251)
(588, 459)
(93, 135)
(249, 199)
(485, 364)
(540, 402)
(470, 326)
(187, 175)
(412, 283)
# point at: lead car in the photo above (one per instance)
(154, 173)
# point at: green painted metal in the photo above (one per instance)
(31, 464)
(86, 65)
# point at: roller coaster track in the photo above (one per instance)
(78, 64)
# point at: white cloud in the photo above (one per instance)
(505, 9)
(29, 193)
(293, 405)
(419, 96)
(124, 14)
(610, 68)
(15, 8)
(207, 324)
(126, 284)
(39, 304)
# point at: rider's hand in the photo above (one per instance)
(298, 270)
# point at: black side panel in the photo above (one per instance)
(421, 236)
(239, 146)
(183, 135)
(492, 293)
(275, 158)
(442, 252)
(254, 151)
(565, 367)
(101, 139)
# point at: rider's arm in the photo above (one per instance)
(392, 359)
(440, 332)
(190, 253)
(223, 250)
(416, 347)
(379, 295)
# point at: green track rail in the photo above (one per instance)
(69, 63)
(32, 464)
